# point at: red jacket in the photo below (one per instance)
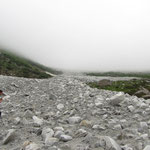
(1, 96)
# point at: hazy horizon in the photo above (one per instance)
(81, 35)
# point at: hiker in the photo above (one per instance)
(1, 98)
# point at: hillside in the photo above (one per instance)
(13, 65)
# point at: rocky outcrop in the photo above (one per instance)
(105, 82)
(143, 92)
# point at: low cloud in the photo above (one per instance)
(79, 35)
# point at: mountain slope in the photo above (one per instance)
(13, 65)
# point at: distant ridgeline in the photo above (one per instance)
(13, 65)
(121, 74)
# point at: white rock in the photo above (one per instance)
(75, 100)
(28, 114)
(98, 127)
(51, 141)
(59, 128)
(6, 97)
(65, 138)
(37, 113)
(99, 102)
(112, 121)
(32, 146)
(139, 145)
(126, 147)
(123, 121)
(17, 120)
(9, 136)
(25, 121)
(74, 120)
(37, 120)
(147, 147)
(118, 127)
(147, 101)
(144, 136)
(81, 133)
(105, 116)
(148, 122)
(143, 105)
(47, 132)
(108, 143)
(117, 99)
(143, 125)
(60, 106)
(131, 108)
(90, 105)
(58, 134)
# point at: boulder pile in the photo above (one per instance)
(64, 113)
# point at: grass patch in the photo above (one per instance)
(130, 87)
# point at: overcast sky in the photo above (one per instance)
(96, 35)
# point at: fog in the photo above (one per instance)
(83, 35)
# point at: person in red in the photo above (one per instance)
(1, 98)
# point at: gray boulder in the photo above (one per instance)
(37, 121)
(107, 143)
(47, 132)
(74, 120)
(65, 138)
(51, 141)
(31, 146)
(117, 99)
(10, 136)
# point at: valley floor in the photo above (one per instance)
(64, 113)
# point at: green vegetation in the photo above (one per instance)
(139, 87)
(13, 65)
(121, 74)
(130, 87)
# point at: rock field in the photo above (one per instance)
(63, 113)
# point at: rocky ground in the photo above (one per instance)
(63, 113)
